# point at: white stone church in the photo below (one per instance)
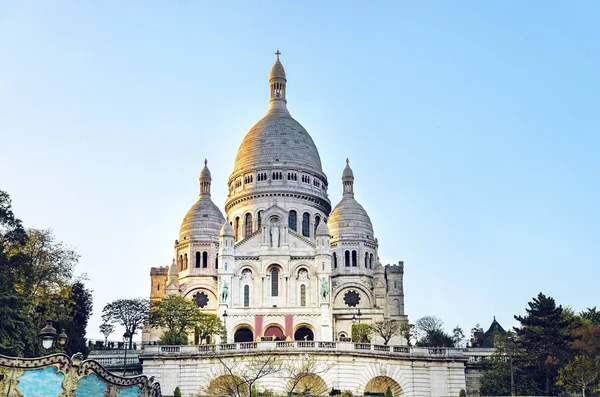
(281, 264)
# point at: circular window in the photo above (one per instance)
(201, 299)
(351, 298)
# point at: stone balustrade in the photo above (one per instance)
(303, 346)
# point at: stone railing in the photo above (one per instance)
(303, 346)
(110, 362)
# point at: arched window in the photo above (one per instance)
(354, 258)
(197, 259)
(334, 260)
(293, 220)
(275, 282)
(248, 225)
(306, 224)
(216, 262)
(303, 295)
(317, 221)
(246, 295)
(347, 258)
(236, 228)
(185, 262)
(366, 260)
(259, 219)
(205, 259)
(158, 287)
(371, 262)
(180, 263)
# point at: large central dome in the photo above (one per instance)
(278, 139)
(277, 157)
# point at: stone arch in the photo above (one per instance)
(243, 333)
(274, 329)
(225, 384)
(212, 303)
(379, 384)
(307, 384)
(302, 330)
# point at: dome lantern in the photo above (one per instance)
(348, 179)
(205, 180)
(278, 82)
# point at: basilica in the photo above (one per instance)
(279, 263)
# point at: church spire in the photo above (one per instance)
(205, 180)
(348, 179)
(277, 81)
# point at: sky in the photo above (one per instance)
(473, 129)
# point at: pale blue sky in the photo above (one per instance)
(473, 129)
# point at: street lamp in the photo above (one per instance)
(48, 335)
(126, 337)
(358, 314)
(225, 321)
(353, 319)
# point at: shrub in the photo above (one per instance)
(462, 393)
(388, 392)
(347, 393)
(177, 392)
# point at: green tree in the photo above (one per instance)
(388, 392)
(544, 336)
(579, 375)
(176, 315)
(106, 329)
(79, 308)
(177, 392)
(462, 393)
(457, 336)
(130, 313)
(592, 315)
(361, 333)
(209, 325)
(387, 329)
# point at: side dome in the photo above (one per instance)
(349, 220)
(204, 219)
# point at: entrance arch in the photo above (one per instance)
(224, 384)
(274, 331)
(304, 333)
(379, 384)
(307, 384)
(243, 334)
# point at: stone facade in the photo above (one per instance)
(281, 263)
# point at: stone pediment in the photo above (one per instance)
(251, 242)
(297, 241)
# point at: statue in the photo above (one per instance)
(224, 291)
(324, 288)
(274, 235)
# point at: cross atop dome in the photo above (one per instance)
(277, 53)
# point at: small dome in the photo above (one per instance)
(205, 173)
(202, 222)
(226, 230)
(349, 219)
(322, 229)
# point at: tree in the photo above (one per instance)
(79, 308)
(406, 331)
(177, 392)
(544, 336)
(210, 324)
(304, 376)
(241, 374)
(361, 333)
(592, 315)
(106, 329)
(457, 336)
(431, 333)
(578, 375)
(476, 336)
(177, 316)
(388, 392)
(130, 313)
(387, 329)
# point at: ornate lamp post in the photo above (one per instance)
(48, 335)
(126, 337)
(358, 314)
(225, 322)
